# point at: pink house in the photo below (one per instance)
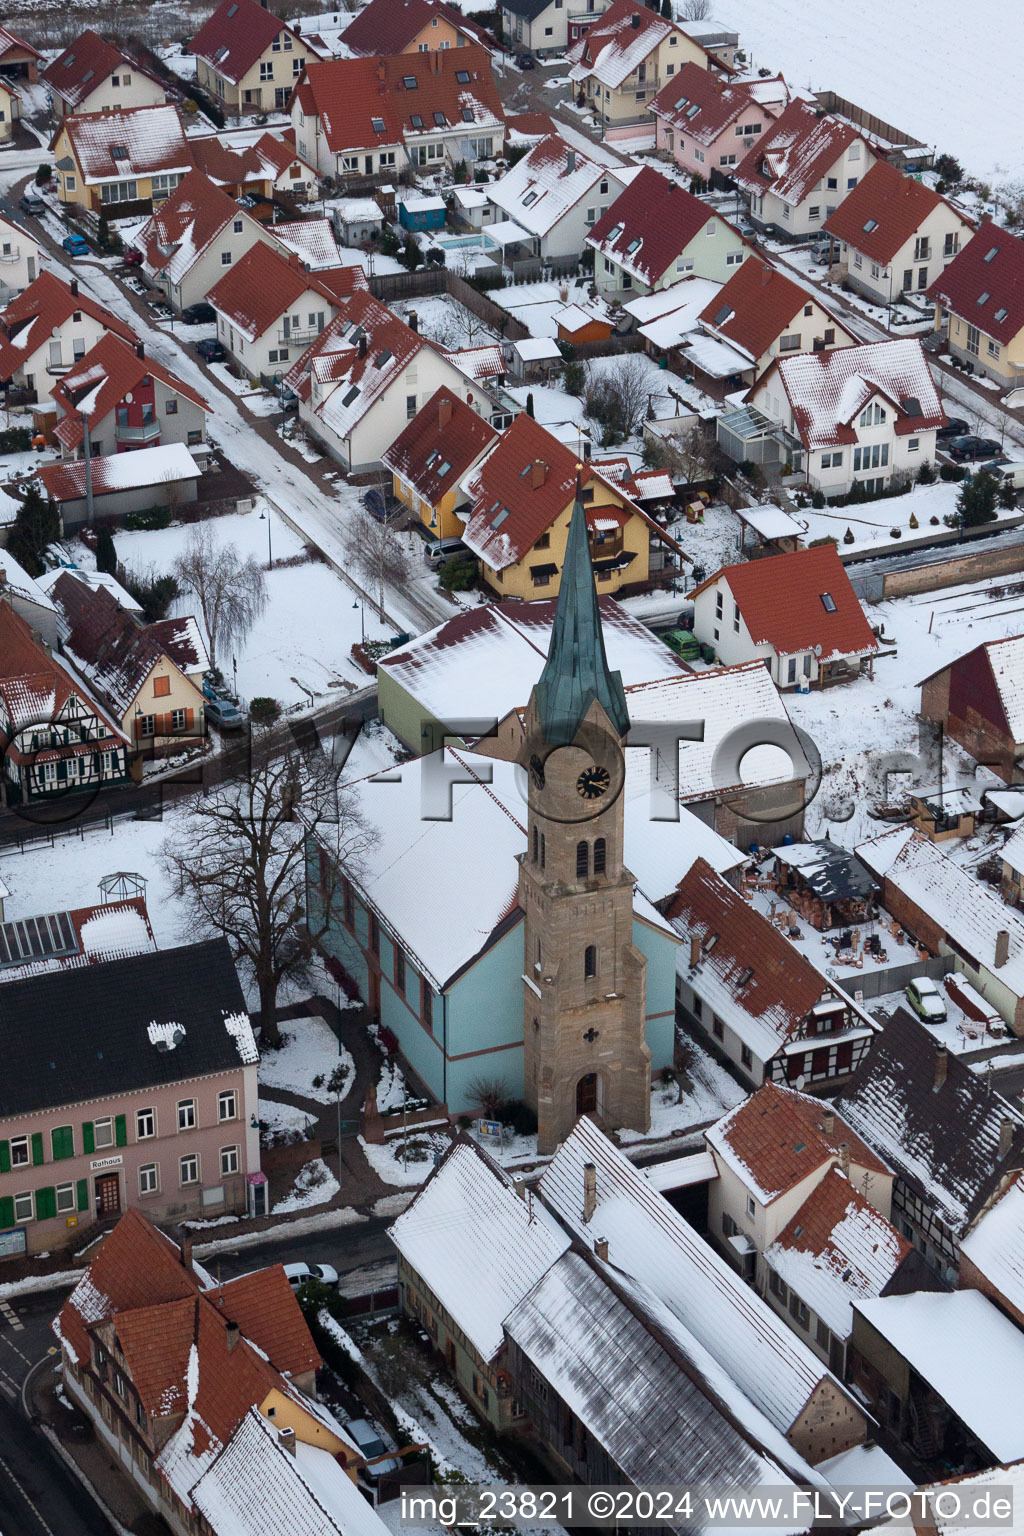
(707, 123)
(126, 1083)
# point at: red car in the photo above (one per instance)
(133, 258)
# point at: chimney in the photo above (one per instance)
(362, 346)
(1005, 1135)
(1002, 947)
(941, 1066)
(521, 1188)
(140, 349)
(601, 1248)
(844, 1157)
(382, 73)
(570, 159)
(538, 474)
(286, 1439)
(74, 287)
(635, 22)
(444, 413)
(233, 1333)
(412, 320)
(185, 1248)
(694, 950)
(589, 1190)
(828, 1121)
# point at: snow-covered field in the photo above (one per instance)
(929, 67)
(311, 1050)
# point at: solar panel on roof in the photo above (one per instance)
(37, 938)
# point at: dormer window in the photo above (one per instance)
(118, 152)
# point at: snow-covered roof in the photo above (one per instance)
(827, 390)
(968, 1352)
(14, 578)
(715, 358)
(1012, 851)
(547, 184)
(795, 152)
(168, 463)
(770, 521)
(352, 210)
(477, 1243)
(134, 142)
(995, 1245)
(681, 1172)
(666, 316)
(92, 579)
(313, 240)
(623, 38)
(533, 349)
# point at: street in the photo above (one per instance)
(347, 1248)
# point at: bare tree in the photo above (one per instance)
(242, 869)
(618, 399)
(685, 456)
(378, 553)
(695, 10)
(231, 592)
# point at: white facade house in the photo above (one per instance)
(269, 309)
(19, 260)
(548, 26)
(194, 237)
(799, 171)
(47, 329)
(557, 193)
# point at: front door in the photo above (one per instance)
(586, 1094)
(108, 1194)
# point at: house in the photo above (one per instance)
(431, 457)
(557, 193)
(977, 700)
(10, 110)
(66, 940)
(94, 396)
(951, 913)
(192, 237)
(270, 307)
(656, 232)
(735, 1342)
(150, 677)
(136, 155)
(48, 329)
(409, 26)
(520, 503)
(18, 59)
(942, 1373)
(797, 613)
(121, 483)
(58, 739)
(206, 1393)
(944, 810)
(720, 39)
(707, 123)
(358, 219)
(490, 1228)
(990, 1254)
(94, 75)
(248, 59)
(756, 999)
(951, 1138)
(378, 116)
(545, 26)
(852, 415)
(19, 259)
(1011, 857)
(621, 63)
(29, 598)
(896, 235)
(264, 168)
(364, 377)
(159, 1119)
(799, 169)
(981, 291)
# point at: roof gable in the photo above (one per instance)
(756, 305)
(262, 286)
(84, 66)
(827, 390)
(34, 687)
(795, 152)
(102, 378)
(548, 183)
(238, 34)
(439, 446)
(186, 224)
(46, 304)
(650, 224)
(702, 105)
(133, 142)
(984, 284)
(389, 26)
(624, 36)
(883, 211)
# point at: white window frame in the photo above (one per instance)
(230, 1161)
(149, 1178)
(147, 1116)
(187, 1115)
(225, 1095)
(189, 1160)
(103, 1132)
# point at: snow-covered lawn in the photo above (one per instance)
(404, 1161)
(311, 1050)
(314, 1184)
(707, 1092)
(283, 1117)
(446, 321)
(871, 522)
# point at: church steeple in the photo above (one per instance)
(576, 671)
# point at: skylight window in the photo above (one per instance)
(69, 61)
(616, 232)
(220, 55)
(431, 456)
(88, 76)
(410, 83)
(870, 225)
(492, 510)
(440, 119)
(692, 109)
(500, 518)
(442, 469)
(828, 602)
(416, 120)
(710, 942)
(681, 102)
(993, 252)
(377, 124)
(746, 977)
(529, 199)
(983, 298)
(232, 11)
(350, 395)
(119, 152)
(634, 245)
(462, 76)
(467, 115)
(1000, 314)
(801, 1146)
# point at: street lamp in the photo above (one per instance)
(362, 619)
(270, 552)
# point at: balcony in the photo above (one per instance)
(298, 336)
(147, 433)
(10, 255)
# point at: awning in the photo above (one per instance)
(618, 564)
(543, 570)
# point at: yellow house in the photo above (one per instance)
(138, 155)
(409, 26)
(285, 1411)
(521, 500)
(983, 291)
(248, 58)
(433, 455)
(621, 64)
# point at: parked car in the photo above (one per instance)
(926, 1000)
(288, 398)
(298, 1274)
(526, 61)
(370, 1442)
(199, 314)
(1012, 473)
(381, 504)
(440, 550)
(30, 203)
(211, 350)
(973, 448)
(684, 642)
(822, 248)
(225, 715)
(132, 257)
(955, 427)
(74, 245)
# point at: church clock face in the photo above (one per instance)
(593, 783)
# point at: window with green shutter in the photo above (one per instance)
(5, 1157)
(62, 1142)
(46, 1202)
(37, 1149)
(6, 1211)
(121, 1131)
(83, 1194)
(88, 1137)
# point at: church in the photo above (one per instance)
(504, 924)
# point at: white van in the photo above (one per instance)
(1012, 472)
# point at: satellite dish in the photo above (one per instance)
(817, 648)
(801, 1080)
(128, 401)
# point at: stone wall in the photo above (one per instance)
(977, 565)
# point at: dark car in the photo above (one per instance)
(381, 504)
(198, 314)
(30, 203)
(132, 258)
(526, 61)
(972, 448)
(955, 427)
(211, 350)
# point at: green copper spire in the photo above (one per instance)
(576, 671)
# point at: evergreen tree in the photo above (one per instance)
(976, 502)
(35, 527)
(529, 405)
(106, 556)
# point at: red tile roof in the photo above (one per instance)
(257, 290)
(780, 1137)
(659, 214)
(237, 34)
(31, 318)
(351, 95)
(893, 205)
(101, 379)
(10, 42)
(795, 153)
(34, 688)
(532, 125)
(364, 349)
(856, 1247)
(623, 37)
(780, 599)
(152, 140)
(719, 102)
(984, 285)
(756, 305)
(264, 1307)
(184, 226)
(85, 65)
(389, 26)
(439, 446)
(828, 390)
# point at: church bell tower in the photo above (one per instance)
(584, 982)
